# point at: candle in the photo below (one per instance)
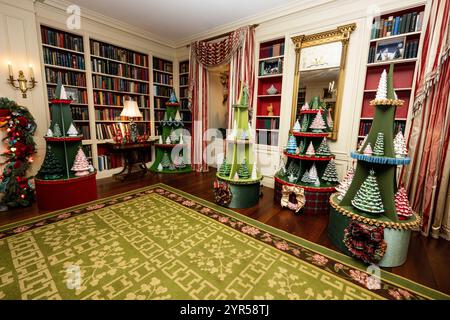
(31, 71)
(10, 69)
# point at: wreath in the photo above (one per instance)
(20, 127)
(299, 193)
(364, 242)
(222, 193)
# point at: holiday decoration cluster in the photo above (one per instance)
(20, 126)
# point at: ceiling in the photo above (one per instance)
(176, 20)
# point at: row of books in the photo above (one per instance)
(274, 50)
(108, 130)
(107, 162)
(67, 78)
(391, 26)
(184, 92)
(268, 123)
(80, 113)
(161, 91)
(184, 104)
(117, 99)
(114, 114)
(119, 69)
(63, 59)
(184, 67)
(104, 82)
(163, 78)
(364, 127)
(162, 65)
(267, 138)
(61, 39)
(78, 96)
(84, 130)
(372, 54)
(112, 52)
(411, 49)
(184, 80)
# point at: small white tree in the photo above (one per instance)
(382, 86)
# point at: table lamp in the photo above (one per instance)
(131, 110)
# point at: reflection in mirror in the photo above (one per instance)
(320, 66)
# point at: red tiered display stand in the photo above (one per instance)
(63, 193)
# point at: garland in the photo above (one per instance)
(222, 193)
(299, 193)
(20, 127)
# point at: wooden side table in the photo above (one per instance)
(134, 155)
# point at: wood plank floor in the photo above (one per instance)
(428, 259)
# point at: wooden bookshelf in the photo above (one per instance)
(117, 74)
(270, 72)
(162, 86)
(185, 113)
(404, 27)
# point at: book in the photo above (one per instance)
(413, 22)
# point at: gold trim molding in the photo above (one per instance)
(341, 33)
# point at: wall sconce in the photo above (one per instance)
(22, 83)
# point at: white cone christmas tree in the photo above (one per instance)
(382, 87)
(178, 116)
(168, 140)
(310, 151)
(305, 177)
(305, 106)
(402, 204)
(313, 177)
(81, 164)
(160, 141)
(378, 149)
(49, 133)
(345, 183)
(368, 197)
(400, 145)
(318, 125)
(72, 132)
(297, 127)
(57, 130)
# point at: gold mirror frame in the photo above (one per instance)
(341, 33)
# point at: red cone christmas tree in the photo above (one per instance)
(345, 183)
(402, 204)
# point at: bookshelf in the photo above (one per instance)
(64, 57)
(186, 114)
(270, 75)
(162, 86)
(117, 74)
(392, 29)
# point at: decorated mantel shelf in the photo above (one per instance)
(66, 178)
(370, 218)
(308, 163)
(238, 180)
(171, 149)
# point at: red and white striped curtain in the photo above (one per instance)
(237, 48)
(427, 176)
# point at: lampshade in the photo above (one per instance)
(131, 110)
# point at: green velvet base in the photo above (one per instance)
(397, 240)
(184, 170)
(244, 195)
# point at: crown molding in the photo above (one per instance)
(61, 5)
(262, 17)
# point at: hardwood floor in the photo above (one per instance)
(428, 259)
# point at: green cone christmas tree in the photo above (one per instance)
(323, 149)
(51, 168)
(378, 149)
(225, 169)
(243, 170)
(330, 175)
(165, 162)
(368, 197)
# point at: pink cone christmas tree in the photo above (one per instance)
(310, 151)
(402, 204)
(318, 124)
(81, 164)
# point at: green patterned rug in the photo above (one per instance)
(161, 243)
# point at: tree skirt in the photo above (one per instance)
(161, 243)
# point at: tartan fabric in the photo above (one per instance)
(317, 203)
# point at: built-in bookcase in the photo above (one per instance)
(64, 58)
(162, 86)
(184, 88)
(270, 75)
(117, 74)
(395, 30)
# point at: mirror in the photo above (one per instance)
(319, 73)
